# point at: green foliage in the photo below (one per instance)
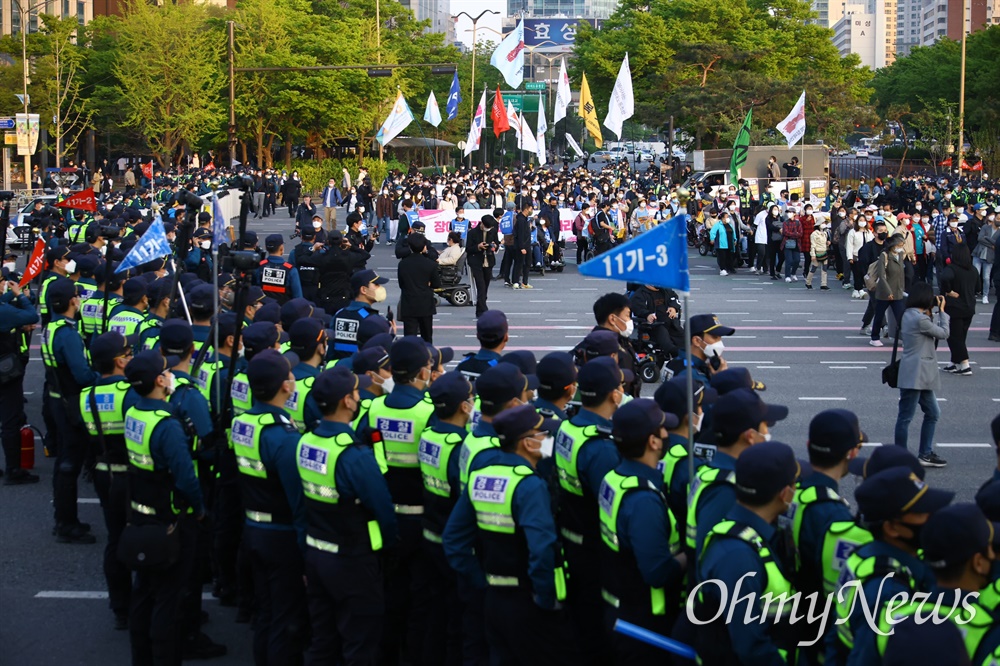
(315, 175)
(896, 153)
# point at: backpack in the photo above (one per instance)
(871, 276)
(578, 224)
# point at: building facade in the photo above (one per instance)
(13, 19)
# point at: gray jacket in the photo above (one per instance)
(918, 362)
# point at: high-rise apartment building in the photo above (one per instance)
(13, 20)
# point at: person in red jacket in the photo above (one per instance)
(808, 226)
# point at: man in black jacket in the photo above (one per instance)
(867, 255)
(522, 246)
(658, 311)
(550, 213)
(335, 265)
(481, 245)
(305, 212)
(418, 278)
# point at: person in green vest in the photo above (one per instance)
(823, 530)
(265, 442)
(501, 538)
(739, 554)
(192, 410)
(200, 302)
(556, 385)
(351, 525)
(957, 544)
(158, 297)
(439, 448)
(86, 265)
(57, 264)
(372, 362)
(642, 563)
(894, 505)
(92, 313)
(112, 395)
(162, 485)
(307, 340)
(126, 317)
(257, 337)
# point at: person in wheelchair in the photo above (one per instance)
(658, 312)
(453, 252)
(451, 269)
(540, 240)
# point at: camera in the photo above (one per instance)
(6, 195)
(245, 260)
(189, 199)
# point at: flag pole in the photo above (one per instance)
(428, 146)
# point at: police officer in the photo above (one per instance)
(67, 372)
(584, 454)
(161, 485)
(823, 529)
(306, 259)
(742, 543)
(307, 340)
(103, 408)
(58, 264)
(394, 426)
(440, 445)
(278, 278)
(641, 555)
(491, 331)
(265, 442)
(706, 348)
(158, 298)
(487, 543)
(93, 315)
(17, 319)
(367, 288)
(373, 362)
(199, 258)
(192, 410)
(350, 522)
(557, 376)
(337, 264)
(894, 506)
(86, 283)
(127, 316)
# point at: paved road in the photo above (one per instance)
(803, 344)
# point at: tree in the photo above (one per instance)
(169, 87)
(61, 89)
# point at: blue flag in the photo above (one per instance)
(152, 245)
(218, 224)
(658, 257)
(454, 98)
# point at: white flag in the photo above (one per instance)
(540, 134)
(574, 145)
(525, 139)
(622, 104)
(509, 56)
(399, 119)
(433, 113)
(794, 124)
(563, 94)
(476, 131)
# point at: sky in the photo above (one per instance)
(486, 25)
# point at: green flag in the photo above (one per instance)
(740, 147)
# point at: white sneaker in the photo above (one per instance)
(723, 273)
(517, 285)
(753, 271)
(795, 278)
(986, 299)
(876, 343)
(864, 295)
(788, 279)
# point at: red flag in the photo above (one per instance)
(499, 114)
(965, 166)
(35, 264)
(946, 162)
(147, 170)
(84, 200)
(978, 166)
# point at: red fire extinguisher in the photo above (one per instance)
(28, 446)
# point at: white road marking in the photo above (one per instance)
(732, 313)
(819, 398)
(845, 362)
(583, 288)
(872, 444)
(561, 320)
(744, 337)
(848, 367)
(796, 313)
(87, 500)
(964, 445)
(546, 301)
(825, 321)
(751, 362)
(748, 289)
(773, 367)
(790, 300)
(80, 594)
(757, 321)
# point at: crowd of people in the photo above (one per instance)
(359, 503)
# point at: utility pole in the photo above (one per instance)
(230, 25)
(961, 93)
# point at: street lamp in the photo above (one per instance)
(24, 61)
(475, 20)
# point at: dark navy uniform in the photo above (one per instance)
(346, 323)
(279, 279)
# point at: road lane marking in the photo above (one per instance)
(848, 367)
(964, 445)
(82, 594)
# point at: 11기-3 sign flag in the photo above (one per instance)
(658, 257)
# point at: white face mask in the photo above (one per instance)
(104, 250)
(696, 423)
(714, 348)
(953, 224)
(380, 294)
(547, 445)
(11, 267)
(206, 245)
(629, 327)
(317, 225)
(171, 384)
(766, 436)
(70, 267)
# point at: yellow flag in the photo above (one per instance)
(588, 112)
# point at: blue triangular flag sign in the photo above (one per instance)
(218, 224)
(152, 245)
(658, 257)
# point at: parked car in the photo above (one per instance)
(862, 153)
(602, 156)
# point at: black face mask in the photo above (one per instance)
(913, 541)
(882, 235)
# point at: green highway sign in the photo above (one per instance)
(535, 85)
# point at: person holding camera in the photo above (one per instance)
(482, 243)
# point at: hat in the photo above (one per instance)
(601, 342)
(980, 206)
(270, 312)
(293, 310)
(201, 233)
(492, 324)
(449, 391)
(601, 376)
(366, 277)
(417, 224)
(273, 242)
(249, 238)
(513, 424)
(334, 237)
(372, 359)
(383, 340)
(954, 534)
(59, 293)
(523, 359)
(743, 409)
(56, 253)
(555, 371)
(262, 335)
(176, 337)
(268, 369)
(371, 326)
(408, 354)
(157, 290)
(708, 323)
(502, 383)
(254, 295)
(988, 499)
(730, 379)
(894, 492)
(671, 396)
(133, 290)
(763, 470)
(332, 385)
(145, 367)
(305, 336)
(87, 264)
(201, 297)
(440, 355)
(915, 642)
(637, 419)
(885, 457)
(834, 432)
(108, 346)
(227, 325)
